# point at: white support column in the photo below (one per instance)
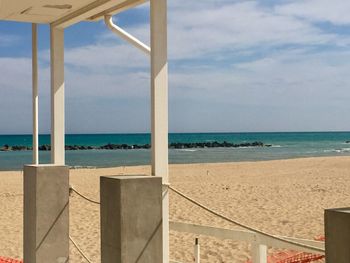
(259, 253)
(197, 251)
(159, 109)
(35, 94)
(57, 96)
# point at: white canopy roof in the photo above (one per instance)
(61, 13)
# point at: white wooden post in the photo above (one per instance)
(259, 253)
(57, 96)
(35, 102)
(159, 107)
(197, 257)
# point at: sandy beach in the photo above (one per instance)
(285, 197)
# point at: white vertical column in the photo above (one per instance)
(159, 108)
(259, 253)
(35, 102)
(57, 96)
(197, 251)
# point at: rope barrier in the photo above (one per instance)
(84, 197)
(212, 212)
(243, 225)
(79, 249)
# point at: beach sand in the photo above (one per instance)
(285, 197)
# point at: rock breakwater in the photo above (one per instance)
(111, 146)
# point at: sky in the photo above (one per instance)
(234, 66)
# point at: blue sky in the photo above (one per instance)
(233, 65)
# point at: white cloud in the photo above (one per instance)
(7, 40)
(237, 64)
(335, 11)
(206, 28)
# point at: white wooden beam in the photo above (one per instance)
(159, 107)
(35, 101)
(83, 13)
(57, 97)
(94, 11)
(117, 9)
(259, 253)
(247, 236)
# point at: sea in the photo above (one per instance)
(285, 145)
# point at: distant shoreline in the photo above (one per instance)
(111, 150)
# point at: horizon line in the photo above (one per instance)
(210, 132)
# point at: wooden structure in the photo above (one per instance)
(259, 243)
(62, 14)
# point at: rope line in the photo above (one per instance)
(79, 249)
(243, 225)
(84, 197)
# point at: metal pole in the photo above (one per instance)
(126, 36)
(259, 253)
(197, 248)
(35, 100)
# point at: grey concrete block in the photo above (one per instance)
(337, 230)
(131, 219)
(46, 214)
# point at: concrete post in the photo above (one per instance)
(131, 219)
(337, 230)
(46, 214)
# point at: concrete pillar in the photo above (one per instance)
(46, 214)
(337, 230)
(131, 219)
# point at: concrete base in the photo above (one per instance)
(131, 219)
(337, 229)
(46, 214)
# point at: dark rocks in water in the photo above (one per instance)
(111, 146)
(20, 148)
(214, 145)
(347, 142)
(45, 147)
(7, 148)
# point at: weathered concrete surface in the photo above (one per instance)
(131, 219)
(337, 229)
(46, 214)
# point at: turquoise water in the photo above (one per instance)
(285, 145)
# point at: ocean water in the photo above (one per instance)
(284, 146)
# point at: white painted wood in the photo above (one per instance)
(117, 9)
(57, 97)
(126, 36)
(222, 233)
(246, 236)
(159, 107)
(35, 100)
(91, 10)
(197, 251)
(62, 13)
(259, 253)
